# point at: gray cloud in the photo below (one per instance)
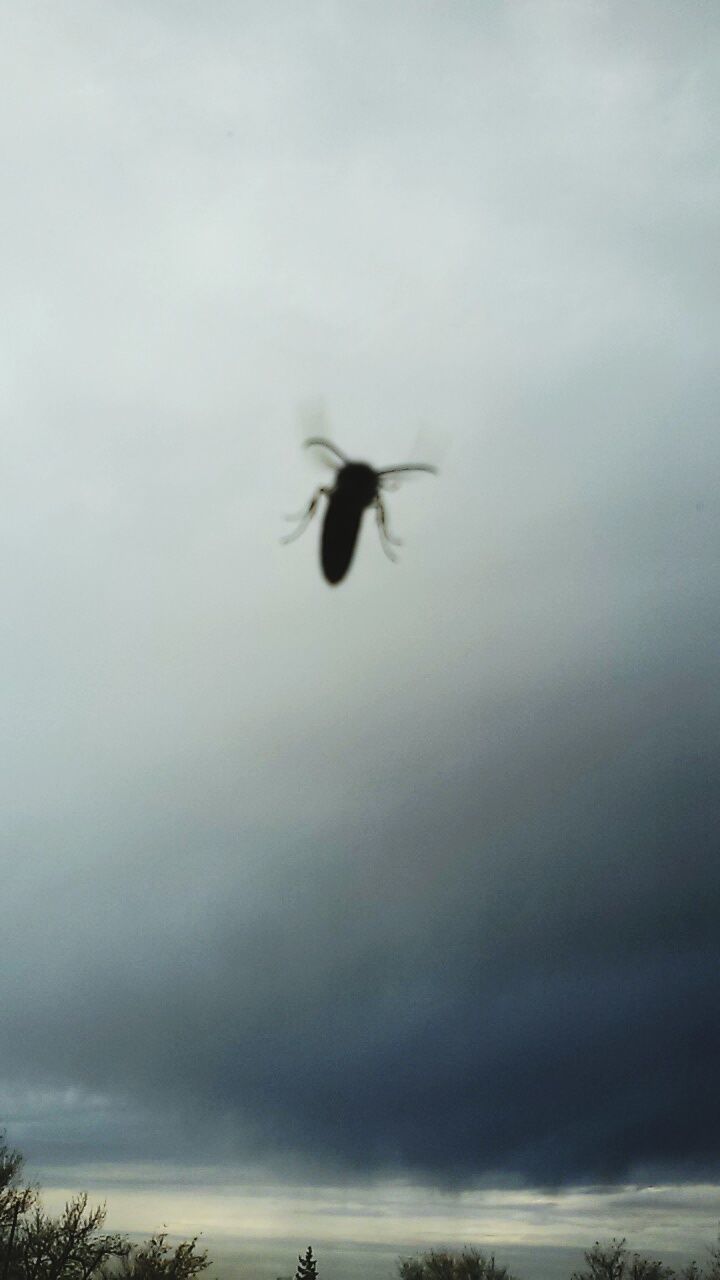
(419, 875)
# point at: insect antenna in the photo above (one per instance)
(417, 466)
(322, 443)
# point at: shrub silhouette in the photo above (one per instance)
(442, 1264)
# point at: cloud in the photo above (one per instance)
(506, 969)
(417, 877)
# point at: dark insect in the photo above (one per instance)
(357, 486)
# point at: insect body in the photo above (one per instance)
(357, 486)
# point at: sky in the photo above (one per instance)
(411, 882)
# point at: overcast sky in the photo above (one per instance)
(416, 877)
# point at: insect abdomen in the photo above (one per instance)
(339, 538)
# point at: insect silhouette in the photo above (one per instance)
(357, 486)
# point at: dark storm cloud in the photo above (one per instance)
(421, 876)
(511, 968)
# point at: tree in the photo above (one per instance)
(15, 1201)
(70, 1247)
(155, 1260)
(713, 1268)
(614, 1262)
(604, 1262)
(35, 1246)
(442, 1264)
(307, 1266)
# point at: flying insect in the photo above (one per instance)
(357, 486)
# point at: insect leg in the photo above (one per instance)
(383, 525)
(305, 516)
(386, 538)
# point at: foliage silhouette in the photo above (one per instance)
(72, 1246)
(614, 1261)
(155, 1260)
(442, 1264)
(15, 1199)
(307, 1266)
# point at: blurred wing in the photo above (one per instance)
(313, 420)
(427, 450)
(432, 444)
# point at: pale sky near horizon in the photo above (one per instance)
(416, 878)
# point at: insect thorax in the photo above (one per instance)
(358, 482)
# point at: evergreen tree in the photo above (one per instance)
(307, 1266)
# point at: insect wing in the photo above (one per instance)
(339, 538)
(313, 422)
(312, 419)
